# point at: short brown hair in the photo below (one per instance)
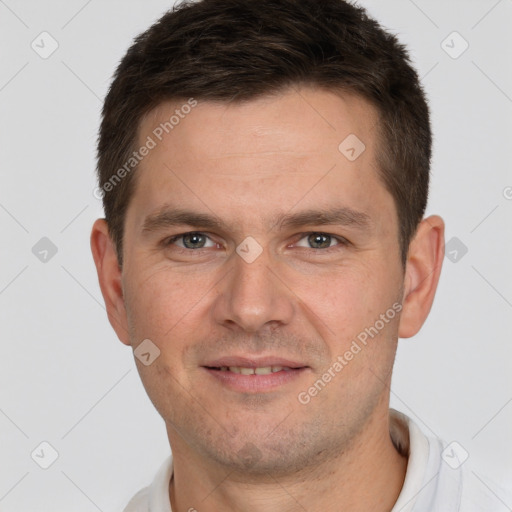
(238, 50)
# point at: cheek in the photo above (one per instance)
(346, 298)
(165, 307)
(162, 305)
(347, 305)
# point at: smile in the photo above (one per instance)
(263, 370)
(254, 379)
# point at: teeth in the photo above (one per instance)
(265, 370)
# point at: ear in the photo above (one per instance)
(109, 276)
(424, 262)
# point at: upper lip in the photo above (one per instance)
(253, 362)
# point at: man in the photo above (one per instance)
(264, 168)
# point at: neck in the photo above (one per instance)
(369, 475)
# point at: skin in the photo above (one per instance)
(245, 164)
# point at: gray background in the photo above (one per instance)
(67, 380)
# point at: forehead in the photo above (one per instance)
(298, 120)
(306, 146)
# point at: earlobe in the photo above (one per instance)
(109, 277)
(424, 262)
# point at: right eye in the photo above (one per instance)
(193, 240)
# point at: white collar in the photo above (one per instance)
(424, 461)
(408, 437)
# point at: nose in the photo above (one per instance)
(253, 297)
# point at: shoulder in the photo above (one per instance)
(440, 477)
(155, 497)
(140, 502)
(483, 494)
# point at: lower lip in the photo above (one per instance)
(255, 383)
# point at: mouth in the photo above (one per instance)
(261, 370)
(254, 375)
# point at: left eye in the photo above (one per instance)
(319, 241)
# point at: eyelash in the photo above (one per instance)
(341, 241)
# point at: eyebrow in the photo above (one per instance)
(344, 216)
(334, 216)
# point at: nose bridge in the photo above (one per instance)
(252, 296)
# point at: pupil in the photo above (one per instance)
(319, 241)
(193, 241)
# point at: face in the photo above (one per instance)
(257, 255)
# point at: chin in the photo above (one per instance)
(264, 455)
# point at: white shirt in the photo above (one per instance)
(437, 478)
